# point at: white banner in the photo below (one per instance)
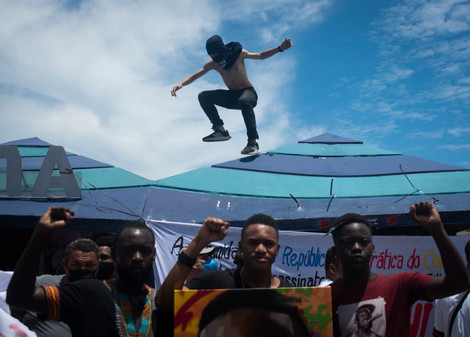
(9, 326)
(302, 255)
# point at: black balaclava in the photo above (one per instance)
(227, 54)
(81, 274)
(215, 45)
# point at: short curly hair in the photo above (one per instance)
(107, 241)
(82, 245)
(133, 225)
(262, 219)
(346, 219)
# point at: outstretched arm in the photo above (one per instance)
(191, 78)
(212, 229)
(22, 291)
(286, 44)
(456, 278)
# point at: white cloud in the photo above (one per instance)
(424, 52)
(458, 132)
(452, 92)
(455, 147)
(97, 78)
(433, 134)
(422, 19)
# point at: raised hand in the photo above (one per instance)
(54, 219)
(213, 229)
(286, 44)
(426, 215)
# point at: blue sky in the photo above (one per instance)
(95, 77)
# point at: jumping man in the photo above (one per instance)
(229, 61)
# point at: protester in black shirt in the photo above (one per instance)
(258, 244)
(91, 307)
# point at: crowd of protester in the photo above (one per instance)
(105, 290)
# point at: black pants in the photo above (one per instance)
(243, 99)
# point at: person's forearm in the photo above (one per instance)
(191, 78)
(177, 275)
(23, 282)
(456, 277)
(186, 81)
(268, 53)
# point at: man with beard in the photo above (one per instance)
(80, 262)
(120, 307)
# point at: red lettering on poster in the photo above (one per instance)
(392, 220)
(414, 261)
(420, 319)
(385, 260)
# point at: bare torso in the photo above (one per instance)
(234, 78)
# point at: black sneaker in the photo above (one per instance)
(251, 148)
(217, 136)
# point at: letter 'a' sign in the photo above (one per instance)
(48, 183)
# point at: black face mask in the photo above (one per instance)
(220, 60)
(229, 55)
(81, 274)
(105, 270)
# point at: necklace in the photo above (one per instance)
(134, 317)
(131, 321)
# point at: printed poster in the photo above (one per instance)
(254, 312)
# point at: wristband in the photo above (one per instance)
(279, 49)
(186, 260)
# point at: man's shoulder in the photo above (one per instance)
(87, 286)
(209, 65)
(452, 300)
(49, 280)
(447, 302)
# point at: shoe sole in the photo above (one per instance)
(218, 139)
(250, 153)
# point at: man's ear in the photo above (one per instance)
(331, 268)
(64, 266)
(373, 249)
